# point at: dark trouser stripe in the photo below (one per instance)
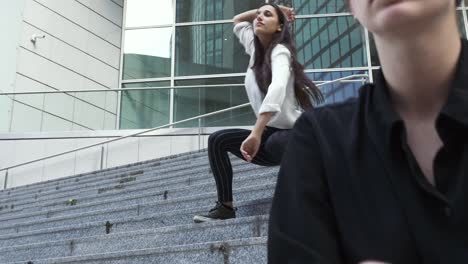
(230, 140)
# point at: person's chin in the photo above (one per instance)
(398, 17)
(259, 31)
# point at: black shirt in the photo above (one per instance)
(349, 188)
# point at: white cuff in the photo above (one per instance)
(266, 108)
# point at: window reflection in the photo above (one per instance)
(145, 108)
(337, 92)
(197, 101)
(309, 7)
(335, 42)
(149, 13)
(209, 10)
(147, 53)
(208, 49)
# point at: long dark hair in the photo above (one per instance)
(304, 88)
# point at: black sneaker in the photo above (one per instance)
(219, 212)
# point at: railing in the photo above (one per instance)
(351, 78)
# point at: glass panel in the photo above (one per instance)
(149, 13)
(145, 108)
(461, 23)
(373, 51)
(208, 49)
(337, 92)
(310, 7)
(209, 10)
(147, 53)
(334, 42)
(197, 101)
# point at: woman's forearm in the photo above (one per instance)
(248, 16)
(261, 123)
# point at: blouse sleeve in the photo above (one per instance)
(245, 34)
(280, 72)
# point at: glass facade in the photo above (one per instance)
(190, 43)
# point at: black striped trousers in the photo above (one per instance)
(272, 147)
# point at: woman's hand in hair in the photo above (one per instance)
(289, 13)
(250, 146)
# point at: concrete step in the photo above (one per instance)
(244, 227)
(137, 213)
(101, 183)
(120, 225)
(160, 162)
(63, 185)
(239, 251)
(135, 183)
(156, 194)
(76, 216)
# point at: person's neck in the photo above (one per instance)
(265, 40)
(419, 70)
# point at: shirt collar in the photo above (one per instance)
(456, 107)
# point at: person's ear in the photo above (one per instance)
(280, 28)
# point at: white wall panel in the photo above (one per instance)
(88, 115)
(122, 152)
(53, 123)
(7, 155)
(88, 160)
(6, 104)
(69, 57)
(59, 104)
(24, 151)
(56, 25)
(181, 144)
(86, 18)
(25, 118)
(119, 2)
(154, 147)
(25, 84)
(52, 74)
(105, 8)
(10, 19)
(2, 179)
(60, 166)
(25, 175)
(109, 121)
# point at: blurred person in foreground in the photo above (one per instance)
(384, 177)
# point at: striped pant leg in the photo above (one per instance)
(230, 140)
(219, 144)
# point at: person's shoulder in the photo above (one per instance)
(280, 49)
(339, 115)
(338, 110)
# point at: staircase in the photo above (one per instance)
(138, 213)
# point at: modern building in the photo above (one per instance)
(183, 48)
